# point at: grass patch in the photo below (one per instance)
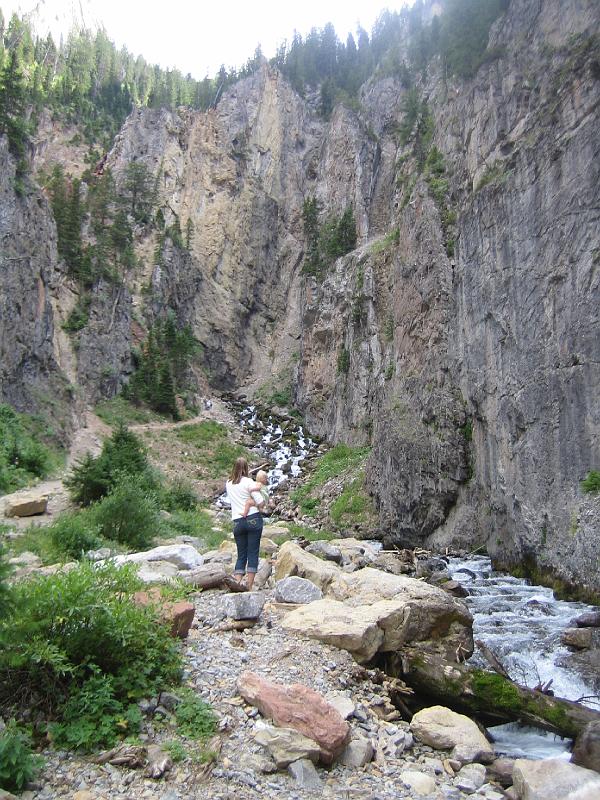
(331, 464)
(214, 451)
(352, 506)
(118, 410)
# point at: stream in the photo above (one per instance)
(522, 624)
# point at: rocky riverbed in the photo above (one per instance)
(243, 640)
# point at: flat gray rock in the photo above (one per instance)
(306, 775)
(296, 590)
(243, 605)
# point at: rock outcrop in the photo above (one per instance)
(459, 339)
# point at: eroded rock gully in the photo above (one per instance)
(474, 375)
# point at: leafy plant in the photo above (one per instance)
(93, 717)
(194, 717)
(73, 534)
(129, 514)
(22, 458)
(5, 591)
(69, 627)
(591, 483)
(18, 765)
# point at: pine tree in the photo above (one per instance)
(138, 190)
(189, 233)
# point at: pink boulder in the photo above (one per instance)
(296, 706)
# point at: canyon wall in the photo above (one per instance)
(459, 339)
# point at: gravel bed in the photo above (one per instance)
(214, 660)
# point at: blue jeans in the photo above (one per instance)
(247, 532)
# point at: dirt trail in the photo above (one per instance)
(88, 439)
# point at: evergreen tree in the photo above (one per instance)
(189, 233)
(138, 190)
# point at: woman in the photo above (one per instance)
(247, 530)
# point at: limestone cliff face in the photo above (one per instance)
(474, 376)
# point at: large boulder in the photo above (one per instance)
(296, 590)
(443, 729)
(591, 619)
(286, 745)
(293, 560)
(352, 629)
(554, 779)
(374, 611)
(183, 556)
(298, 707)
(586, 752)
(26, 504)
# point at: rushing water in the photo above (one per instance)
(522, 625)
(283, 444)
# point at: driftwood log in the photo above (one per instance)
(487, 694)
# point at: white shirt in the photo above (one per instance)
(238, 493)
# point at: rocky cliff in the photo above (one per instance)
(459, 339)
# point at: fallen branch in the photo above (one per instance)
(492, 660)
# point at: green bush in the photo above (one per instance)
(591, 482)
(130, 514)
(73, 534)
(179, 496)
(95, 477)
(93, 718)
(69, 627)
(18, 765)
(194, 717)
(22, 458)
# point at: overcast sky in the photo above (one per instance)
(198, 36)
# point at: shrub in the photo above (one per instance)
(129, 514)
(591, 483)
(194, 717)
(68, 627)
(122, 454)
(21, 457)
(72, 535)
(18, 765)
(94, 718)
(179, 496)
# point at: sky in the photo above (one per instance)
(197, 36)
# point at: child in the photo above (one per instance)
(264, 504)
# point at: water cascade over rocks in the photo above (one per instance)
(523, 625)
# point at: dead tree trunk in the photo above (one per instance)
(487, 694)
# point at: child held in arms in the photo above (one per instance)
(265, 504)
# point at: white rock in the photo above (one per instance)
(343, 704)
(443, 729)
(286, 745)
(358, 752)
(244, 605)
(470, 778)
(420, 783)
(183, 556)
(554, 779)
